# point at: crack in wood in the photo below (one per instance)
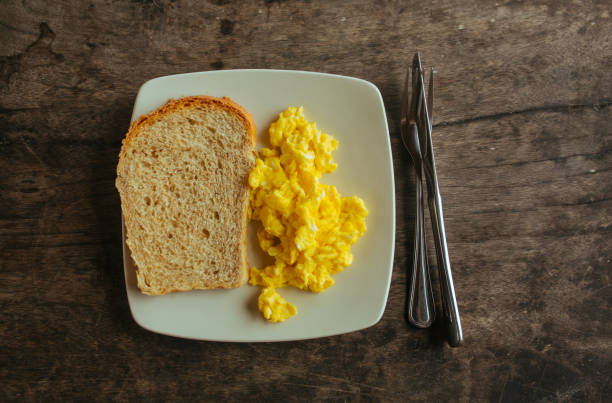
(544, 108)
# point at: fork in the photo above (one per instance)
(421, 309)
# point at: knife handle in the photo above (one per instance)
(449, 300)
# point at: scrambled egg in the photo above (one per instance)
(307, 226)
(273, 306)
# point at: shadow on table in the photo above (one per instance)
(107, 215)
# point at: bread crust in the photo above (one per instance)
(186, 103)
(182, 104)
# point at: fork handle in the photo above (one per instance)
(421, 310)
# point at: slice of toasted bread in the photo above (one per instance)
(182, 177)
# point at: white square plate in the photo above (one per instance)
(347, 108)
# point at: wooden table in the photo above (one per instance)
(523, 137)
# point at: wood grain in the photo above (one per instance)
(523, 139)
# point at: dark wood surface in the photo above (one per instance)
(523, 137)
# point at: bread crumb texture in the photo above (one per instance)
(182, 177)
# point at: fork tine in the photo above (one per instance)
(422, 115)
(419, 106)
(406, 97)
(416, 62)
(416, 70)
(416, 88)
(414, 91)
(430, 96)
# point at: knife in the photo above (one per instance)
(447, 289)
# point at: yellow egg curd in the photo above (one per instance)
(273, 306)
(307, 226)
